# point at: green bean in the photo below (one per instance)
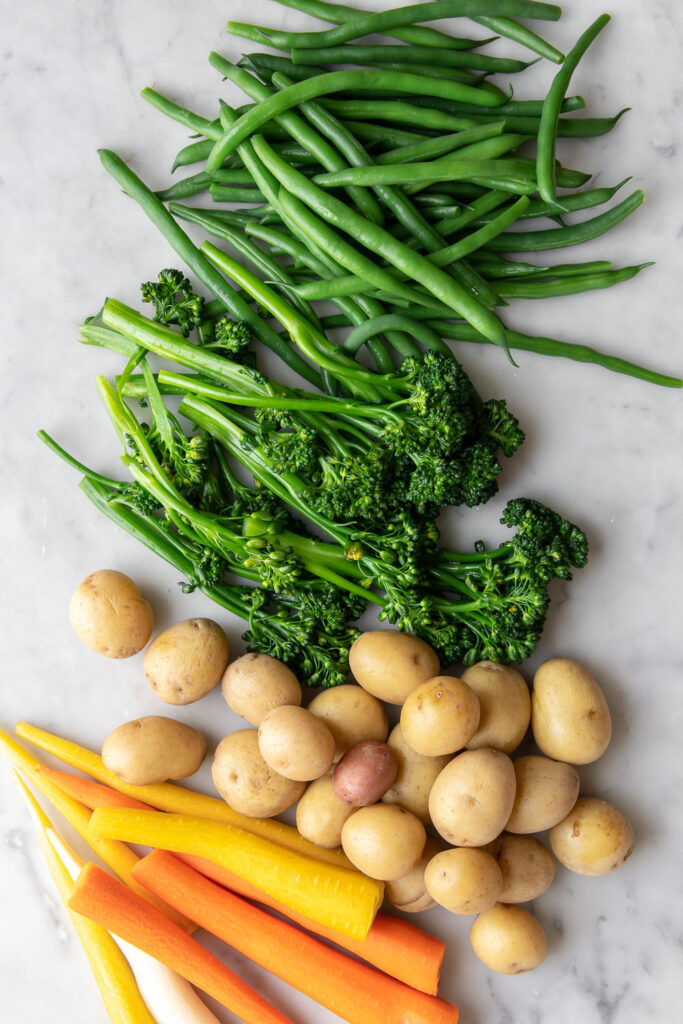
(568, 127)
(397, 110)
(228, 194)
(478, 208)
(580, 201)
(430, 71)
(369, 24)
(547, 287)
(506, 269)
(561, 349)
(439, 146)
(194, 153)
(547, 132)
(230, 218)
(556, 238)
(485, 149)
(513, 30)
(197, 183)
(383, 54)
(387, 135)
(522, 108)
(420, 330)
(378, 241)
(517, 176)
(264, 64)
(338, 81)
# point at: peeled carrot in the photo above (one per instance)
(395, 946)
(116, 855)
(113, 976)
(342, 899)
(354, 991)
(166, 796)
(105, 900)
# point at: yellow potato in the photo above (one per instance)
(594, 839)
(415, 777)
(110, 615)
(295, 743)
(472, 797)
(320, 814)
(409, 892)
(185, 662)
(351, 714)
(508, 939)
(569, 714)
(440, 716)
(464, 881)
(528, 867)
(153, 749)
(390, 664)
(504, 703)
(256, 683)
(383, 841)
(245, 781)
(546, 792)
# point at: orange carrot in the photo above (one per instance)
(354, 991)
(92, 794)
(395, 946)
(102, 898)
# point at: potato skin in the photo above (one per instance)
(546, 792)
(569, 714)
(320, 814)
(472, 797)
(153, 749)
(415, 777)
(256, 683)
(464, 881)
(245, 781)
(508, 939)
(527, 865)
(440, 716)
(295, 743)
(383, 841)
(390, 664)
(186, 661)
(504, 705)
(365, 772)
(351, 714)
(594, 839)
(409, 892)
(110, 615)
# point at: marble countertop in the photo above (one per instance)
(604, 449)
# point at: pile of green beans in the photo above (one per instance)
(388, 178)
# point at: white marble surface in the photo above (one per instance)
(605, 449)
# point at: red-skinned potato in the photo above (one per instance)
(365, 773)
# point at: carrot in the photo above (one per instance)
(119, 857)
(166, 796)
(92, 794)
(113, 976)
(342, 899)
(395, 946)
(102, 898)
(354, 991)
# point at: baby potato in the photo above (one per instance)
(383, 841)
(256, 683)
(415, 777)
(409, 893)
(440, 716)
(110, 615)
(569, 714)
(504, 705)
(546, 792)
(594, 839)
(351, 714)
(508, 939)
(472, 797)
(295, 743)
(320, 814)
(390, 664)
(464, 881)
(528, 867)
(246, 782)
(185, 662)
(153, 749)
(365, 773)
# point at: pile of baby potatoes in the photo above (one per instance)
(436, 808)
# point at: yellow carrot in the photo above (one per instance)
(119, 857)
(114, 978)
(166, 796)
(342, 899)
